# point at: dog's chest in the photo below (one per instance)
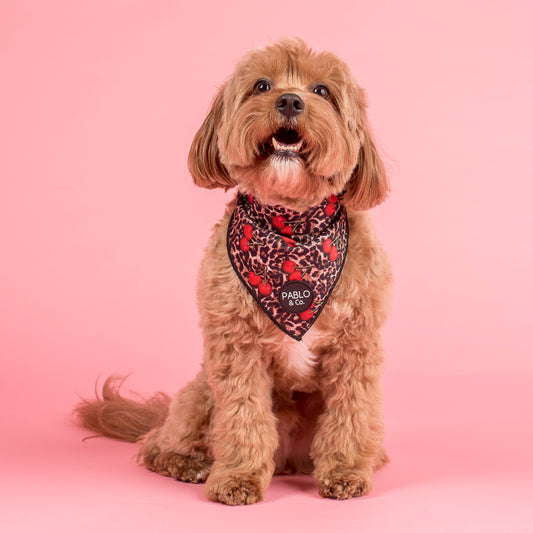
(298, 356)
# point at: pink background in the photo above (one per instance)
(102, 232)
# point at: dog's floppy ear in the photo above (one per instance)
(204, 158)
(368, 185)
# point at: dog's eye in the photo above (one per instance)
(321, 90)
(262, 86)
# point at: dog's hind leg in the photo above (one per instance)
(179, 448)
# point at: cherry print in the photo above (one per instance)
(254, 279)
(244, 244)
(326, 246)
(295, 276)
(250, 198)
(306, 315)
(290, 242)
(333, 254)
(278, 222)
(330, 209)
(333, 199)
(287, 230)
(265, 288)
(248, 230)
(289, 266)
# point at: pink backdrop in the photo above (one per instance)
(102, 232)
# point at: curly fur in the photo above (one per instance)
(253, 409)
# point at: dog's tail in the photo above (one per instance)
(113, 415)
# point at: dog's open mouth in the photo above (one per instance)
(285, 142)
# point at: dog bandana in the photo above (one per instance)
(289, 261)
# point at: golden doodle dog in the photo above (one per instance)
(294, 291)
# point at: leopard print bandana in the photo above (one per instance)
(288, 261)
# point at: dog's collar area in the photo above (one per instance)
(289, 261)
(285, 221)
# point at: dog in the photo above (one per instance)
(294, 290)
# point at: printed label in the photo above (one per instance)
(296, 296)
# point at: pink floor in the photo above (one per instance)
(461, 462)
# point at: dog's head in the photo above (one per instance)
(290, 128)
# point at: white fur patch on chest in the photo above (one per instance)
(298, 354)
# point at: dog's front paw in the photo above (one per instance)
(234, 489)
(342, 486)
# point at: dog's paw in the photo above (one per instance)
(178, 466)
(344, 486)
(234, 489)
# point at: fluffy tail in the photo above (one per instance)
(118, 417)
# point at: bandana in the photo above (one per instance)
(289, 261)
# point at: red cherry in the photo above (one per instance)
(265, 288)
(306, 315)
(333, 199)
(295, 276)
(254, 279)
(278, 222)
(250, 198)
(287, 230)
(333, 254)
(289, 266)
(248, 231)
(244, 244)
(326, 246)
(312, 305)
(330, 209)
(290, 242)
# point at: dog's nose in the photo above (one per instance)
(290, 105)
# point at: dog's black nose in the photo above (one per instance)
(290, 105)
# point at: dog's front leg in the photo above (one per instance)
(244, 436)
(347, 446)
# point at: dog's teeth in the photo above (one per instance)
(278, 146)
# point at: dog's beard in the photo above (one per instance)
(285, 171)
(281, 180)
(284, 166)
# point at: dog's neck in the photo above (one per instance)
(289, 222)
